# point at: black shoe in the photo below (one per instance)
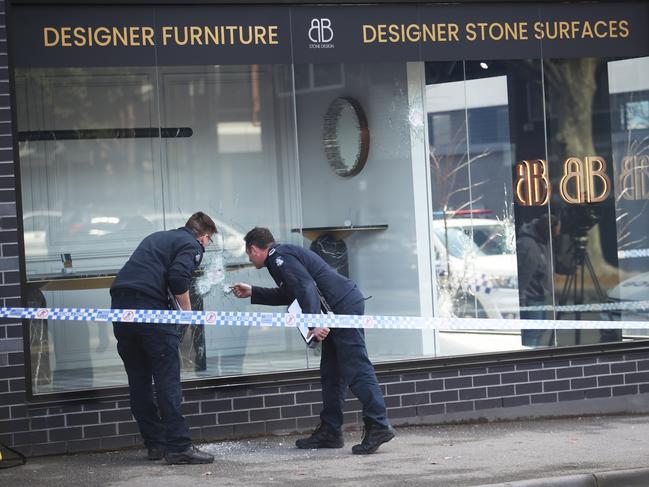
(155, 453)
(322, 437)
(373, 437)
(190, 456)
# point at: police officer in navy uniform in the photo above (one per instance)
(161, 266)
(303, 275)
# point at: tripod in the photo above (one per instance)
(580, 263)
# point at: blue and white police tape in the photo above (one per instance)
(632, 253)
(287, 320)
(615, 306)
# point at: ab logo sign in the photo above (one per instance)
(321, 33)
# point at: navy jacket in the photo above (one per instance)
(163, 260)
(297, 272)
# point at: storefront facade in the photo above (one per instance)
(476, 160)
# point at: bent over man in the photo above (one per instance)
(161, 267)
(303, 275)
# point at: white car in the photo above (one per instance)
(36, 225)
(476, 268)
(86, 224)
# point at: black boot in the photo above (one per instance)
(155, 453)
(323, 437)
(373, 437)
(190, 456)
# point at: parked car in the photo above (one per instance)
(635, 289)
(36, 225)
(49, 232)
(476, 267)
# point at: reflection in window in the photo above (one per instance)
(628, 86)
(88, 202)
(255, 157)
(458, 243)
(636, 115)
(470, 155)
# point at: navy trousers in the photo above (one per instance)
(536, 338)
(152, 363)
(345, 363)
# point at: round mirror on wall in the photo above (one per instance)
(346, 136)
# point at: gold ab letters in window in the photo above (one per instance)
(532, 184)
(634, 178)
(579, 183)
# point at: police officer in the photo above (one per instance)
(160, 267)
(302, 274)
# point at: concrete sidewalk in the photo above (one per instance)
(610, 451)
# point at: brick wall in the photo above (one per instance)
(12, 374)
(598, 382)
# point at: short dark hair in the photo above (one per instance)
(259, 237)
(200, 224)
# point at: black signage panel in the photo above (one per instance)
(82, 36)
(475, 32)
(212, 34)
(617, 29)
(351, 33)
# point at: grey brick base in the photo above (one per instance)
(524, 389)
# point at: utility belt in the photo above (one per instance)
(353, 297)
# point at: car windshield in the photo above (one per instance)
(487, 240)
(457, 242)
(491, 240)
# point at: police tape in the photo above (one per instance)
(632, 253)
(288, 320)
(614, 306)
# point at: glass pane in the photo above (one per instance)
(90, 167)
(90, 164)
(449, 172)
(238, 167)
(370, 216)
(533, 197)
(580, 161)
(484, 118)
(490, 219)
(474, 189)
(111, 155)
(628, 93)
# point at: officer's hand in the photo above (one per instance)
(242, 290)
(319, 333)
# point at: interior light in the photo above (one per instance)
(484, 65)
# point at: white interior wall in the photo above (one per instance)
(383, 263)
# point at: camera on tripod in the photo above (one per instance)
(574, 262)
(576, 222)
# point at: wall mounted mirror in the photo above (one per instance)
(346, 136)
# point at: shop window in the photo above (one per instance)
(434, 221)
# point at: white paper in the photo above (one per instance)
(295, 309)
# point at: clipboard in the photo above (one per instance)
(295, 309)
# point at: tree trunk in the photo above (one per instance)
(572, 84)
